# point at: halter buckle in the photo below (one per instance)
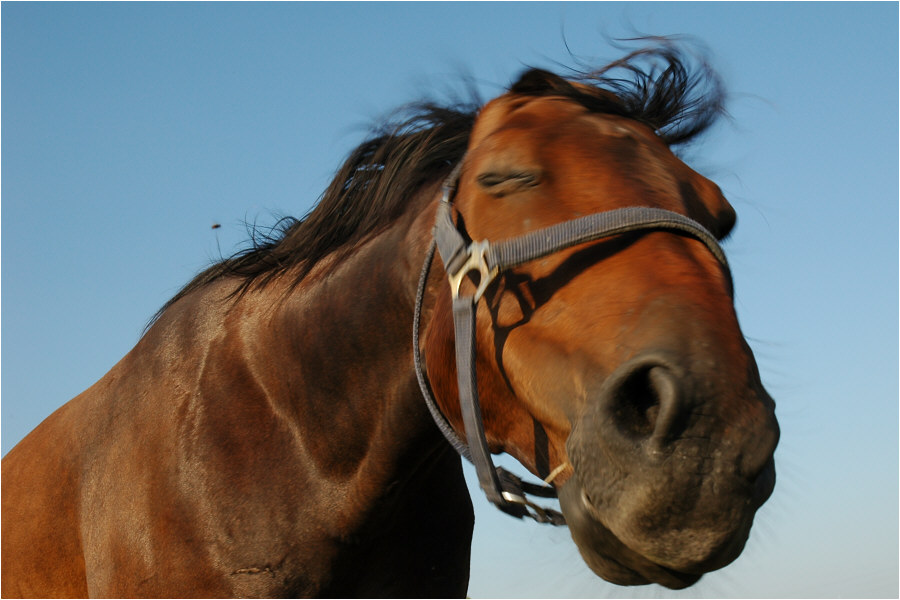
(538, 513)
(476, 260)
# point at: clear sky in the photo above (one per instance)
(129, 129)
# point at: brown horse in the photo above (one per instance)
(267, 436)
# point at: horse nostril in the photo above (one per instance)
(645, 404)
(635, 405)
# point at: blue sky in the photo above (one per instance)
(129, 129)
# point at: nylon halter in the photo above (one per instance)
(489, 259)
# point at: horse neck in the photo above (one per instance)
(344, 346)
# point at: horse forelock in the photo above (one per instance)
(675, 92)
(677, 95)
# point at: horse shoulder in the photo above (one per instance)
(40, 477)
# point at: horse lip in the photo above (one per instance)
(765, 483)
(591, 509)
(639, 571)
(670, 578)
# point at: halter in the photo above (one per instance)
(489, 259)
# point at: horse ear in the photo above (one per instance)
(535, 81)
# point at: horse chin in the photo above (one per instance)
(613, 560)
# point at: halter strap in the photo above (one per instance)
(460, 258)
(489, 259)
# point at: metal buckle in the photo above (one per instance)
(534, 511)
(475, 261)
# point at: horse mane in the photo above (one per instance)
(424, 142)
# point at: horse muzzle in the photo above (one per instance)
(665, 486)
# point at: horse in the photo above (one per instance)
(291, 422)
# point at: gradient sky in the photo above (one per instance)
(129, 129)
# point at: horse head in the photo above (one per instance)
(615, 368)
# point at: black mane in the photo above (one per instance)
(375, 183)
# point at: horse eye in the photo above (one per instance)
(505, 182)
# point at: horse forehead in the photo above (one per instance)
(524, 120)
(536, 135)
(518, 133)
